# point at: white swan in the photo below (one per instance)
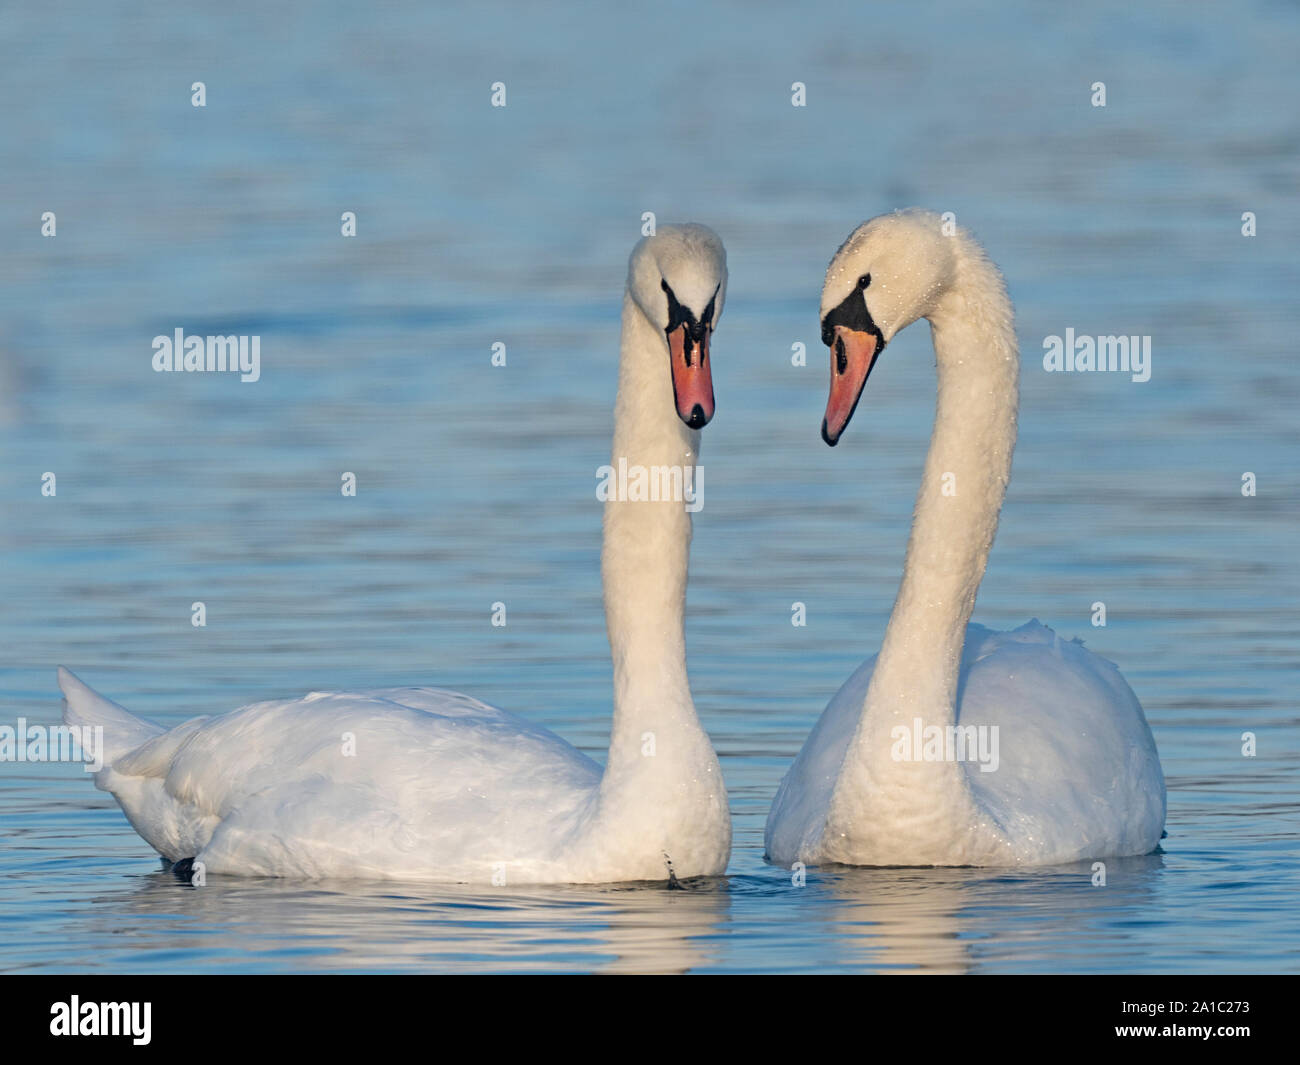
(441, 786)
(1077, 772)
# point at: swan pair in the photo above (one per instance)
(421, 783)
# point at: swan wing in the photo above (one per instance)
(1077, 774)
(401, 782)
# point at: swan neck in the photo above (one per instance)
(646, 547)
(957, 506)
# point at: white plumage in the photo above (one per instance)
(1077, 775)
(421, 783)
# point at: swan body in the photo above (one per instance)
(422, 783)
(886, 777)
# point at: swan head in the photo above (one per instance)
(678, 278)
(891, 271)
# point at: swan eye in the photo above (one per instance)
(663, 285)
(853, 314)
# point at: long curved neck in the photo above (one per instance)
(644, 560)
(956, 516)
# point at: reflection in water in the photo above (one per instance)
(953, 920)
(358, 926)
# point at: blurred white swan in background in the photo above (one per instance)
(442, 786)
(1077, 774)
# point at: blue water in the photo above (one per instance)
(476, 484)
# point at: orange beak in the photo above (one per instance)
(692, 376)
(853, 353)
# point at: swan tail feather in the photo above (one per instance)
(123, 732)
